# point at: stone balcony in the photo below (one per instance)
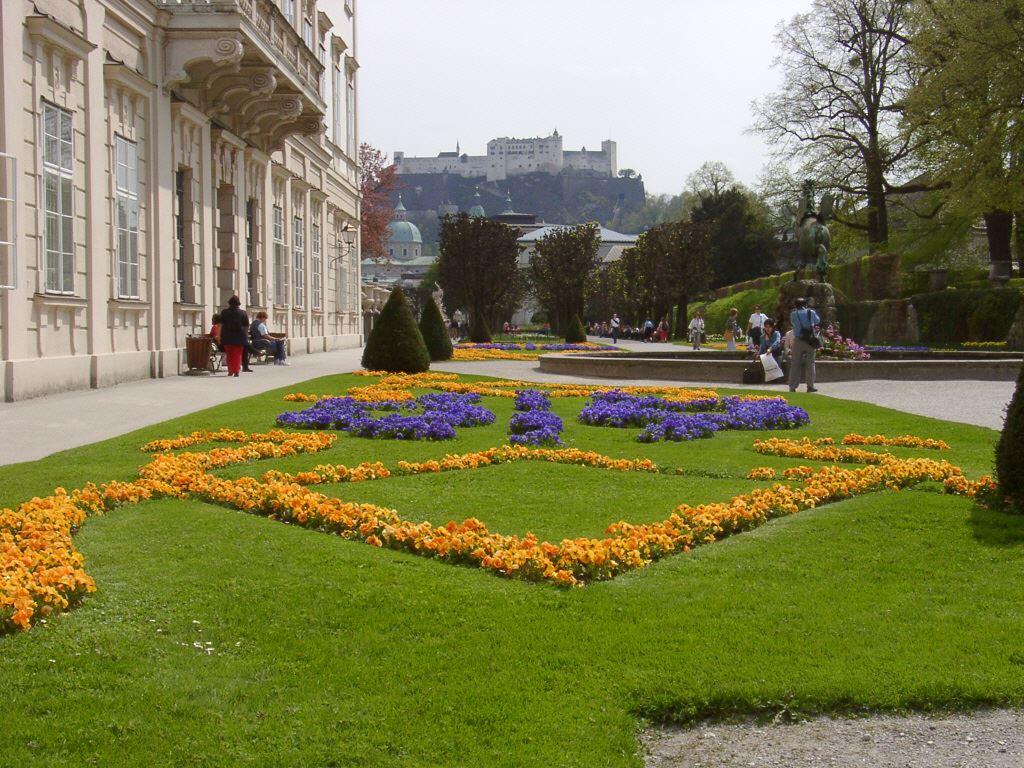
(244, 65)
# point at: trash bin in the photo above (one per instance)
(197, 354)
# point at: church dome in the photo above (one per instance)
(404, 232)
(477, 210)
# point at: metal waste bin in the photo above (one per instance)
(197, 354)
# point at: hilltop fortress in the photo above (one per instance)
(515, 157)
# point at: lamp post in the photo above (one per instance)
(343, 247)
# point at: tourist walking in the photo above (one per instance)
(663, 329)
(732, 330)
(697, 329)
(616, 323)
(233, 326)
(806, 326)
(262, 340)
(754, 325)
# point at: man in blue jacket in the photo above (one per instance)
(805, 323)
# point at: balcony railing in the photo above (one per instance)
(272, 28)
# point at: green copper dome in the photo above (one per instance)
(404, 232)
(477, 210)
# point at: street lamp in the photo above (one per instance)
(346, 242)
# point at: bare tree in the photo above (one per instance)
(846, 69)
(711, 179)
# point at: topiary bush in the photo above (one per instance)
(435, 335)
(954, 316)
(479, 332)
(575, 333)
(395, 343)
(1010, 451)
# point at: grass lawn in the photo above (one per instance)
(327, 652)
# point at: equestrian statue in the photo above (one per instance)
(812, 235)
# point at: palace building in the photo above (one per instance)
(160, 156)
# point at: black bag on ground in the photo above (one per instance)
(753, 374)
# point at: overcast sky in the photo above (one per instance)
(670, 80)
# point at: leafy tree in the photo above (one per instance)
(435, 335)
(711, 179)
(968, 101)
(560, 264)
(742, 242)
(376, 180)
(607, 294)
(395, 343)
(846, 71)
(478, 269)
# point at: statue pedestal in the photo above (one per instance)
(820, 297)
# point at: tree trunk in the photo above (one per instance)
(1019, 242)
(878, 213)
(682, 321)
(999, 230)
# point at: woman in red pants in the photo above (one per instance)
(234, 325)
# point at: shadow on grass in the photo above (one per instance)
(996, 529)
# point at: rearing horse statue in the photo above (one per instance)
(812, 235)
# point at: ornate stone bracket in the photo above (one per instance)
(231, 92)
(186, 52)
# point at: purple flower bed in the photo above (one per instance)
(532, 400)
(428, 417)
(533, 423)
(665, 420)
(535, 428)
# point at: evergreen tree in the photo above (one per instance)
(575, 333)
(479, 332)
(435, 335)
(395, 343)
(1010, 451)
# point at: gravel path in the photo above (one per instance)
(993, 739)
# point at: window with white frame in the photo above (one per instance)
(288, 7)
(341, 296)
(252, 264)
(126, 186)
(350, 113)
(299, 259)
(336, 107)
(316, 266)
(58, 205)
(323, 72)
(307, 32)
(280, 258)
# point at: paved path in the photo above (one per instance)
(38, 427)
(35, 428)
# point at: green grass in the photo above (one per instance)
(333, 653)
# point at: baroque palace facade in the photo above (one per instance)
(160, 156)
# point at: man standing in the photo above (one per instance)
(804, 322)
(755, 324)
(615, 327)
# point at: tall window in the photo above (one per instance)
(252, 254)
(341, 299)
(336, 107)
(307, 32)
(323, 72)
(126, 160)
(288, 6)
(350, 113)
(58, 206)
(280, 258)
(316, 266)
(299, 259)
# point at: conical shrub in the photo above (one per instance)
(478, 331)
(435, 335)
(395, 343)
(1010, 451)
(575, 333)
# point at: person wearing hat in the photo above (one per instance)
(234, 326)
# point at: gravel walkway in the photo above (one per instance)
(982, 740)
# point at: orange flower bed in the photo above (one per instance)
(905, 441)
(761, 473)
(818, 451)
(42, 572)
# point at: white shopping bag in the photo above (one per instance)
(772, 371)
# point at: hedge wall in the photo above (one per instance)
(953, 317)
(717, 311)
(871, 278)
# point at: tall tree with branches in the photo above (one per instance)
(560, 265)
(968, 99)
(376, 179)
(478, 268)
(846, 70)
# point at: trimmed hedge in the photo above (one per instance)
(953, 317)
(717, 311)
(435, 334)
(479, 332)
(1010, 451)
(575, 333)
(871, 278)
(395, 343)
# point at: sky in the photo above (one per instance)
(670, 80)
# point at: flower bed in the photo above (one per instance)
(508, 350)
(690, 419)
(428, 417)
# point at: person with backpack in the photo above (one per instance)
(806, 326)
(234, 324)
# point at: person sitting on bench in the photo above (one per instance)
(263, 341)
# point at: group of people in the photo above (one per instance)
(615, 329)
(797, 348)
(238, 337)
